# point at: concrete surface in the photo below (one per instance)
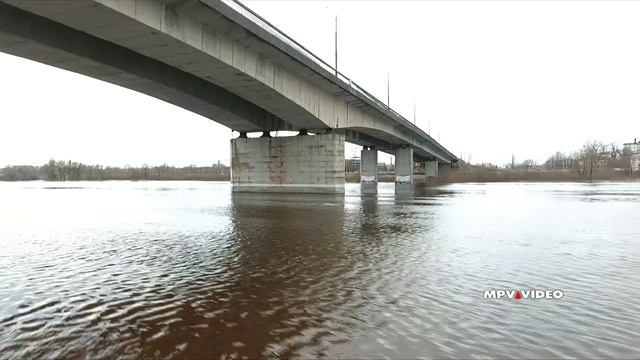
(431, 169)
(369, 166)
(305, 164)
(404, 165)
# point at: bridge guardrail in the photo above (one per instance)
(246, 11)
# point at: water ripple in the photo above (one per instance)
(189, 270)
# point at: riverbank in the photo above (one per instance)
(74, 171)
(446, 175)
(462, 175)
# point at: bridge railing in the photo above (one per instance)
(247, 12)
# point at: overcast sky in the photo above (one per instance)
(489, 78)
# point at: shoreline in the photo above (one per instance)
(417, 181)
(451, 175)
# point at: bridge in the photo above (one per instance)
(219, 59)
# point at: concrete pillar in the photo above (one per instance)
(404, 165)
(431, 172)
(302, 164)
(368, 170)
(369, 166)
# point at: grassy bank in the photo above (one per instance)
(458, 175)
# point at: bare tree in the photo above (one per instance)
(527, 164)
(615, 150)
(556, 161)
(590, 154)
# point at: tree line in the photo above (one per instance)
(592, 156)
(75, 171)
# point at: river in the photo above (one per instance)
(188, 269)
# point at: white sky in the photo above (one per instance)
(490, 78)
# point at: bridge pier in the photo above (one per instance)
(295, 164)
(369, 170)
(431, 172)
(404, 167)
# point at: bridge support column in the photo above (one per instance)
(368, 170)
(404, 166)
(431, 172)
(302, 164)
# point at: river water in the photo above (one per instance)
(186, 269)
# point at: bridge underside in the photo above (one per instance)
(36, 38)
(40, 39)
(92, 39)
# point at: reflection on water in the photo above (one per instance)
(186, 269)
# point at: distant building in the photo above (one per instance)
(631, 148)
(635, 162)
(386, 168)
(352, 165)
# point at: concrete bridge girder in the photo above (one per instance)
(198, 40)
(191, 53)
(36, 38)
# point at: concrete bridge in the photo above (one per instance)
(220, 60)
